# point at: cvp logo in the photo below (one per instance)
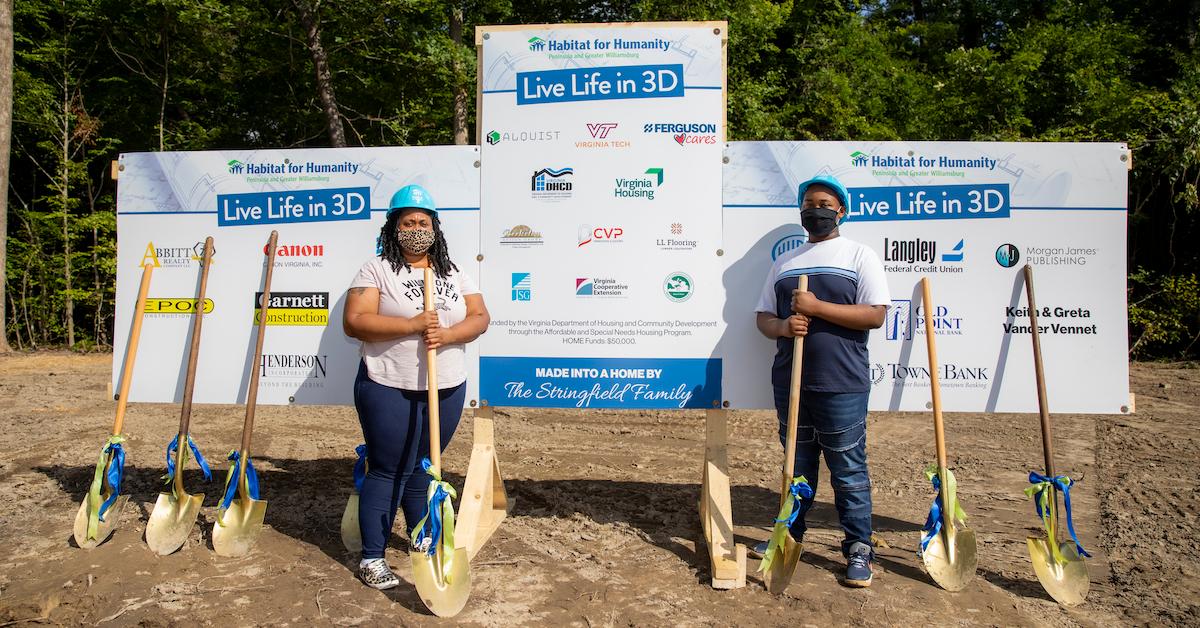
(588, 234)
(1007, 255)
(600, 130)
(181, 305)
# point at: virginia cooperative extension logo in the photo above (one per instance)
(678, 287)
(600, 287)
(299, 309)
(552, 184)
(640, 187)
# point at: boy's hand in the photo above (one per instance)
(805, 303)
(795, 325)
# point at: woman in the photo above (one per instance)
(385, 310)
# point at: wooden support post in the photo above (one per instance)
(484, 503)
(728, 559)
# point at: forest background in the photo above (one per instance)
(88, 79)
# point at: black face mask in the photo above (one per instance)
(818, 221)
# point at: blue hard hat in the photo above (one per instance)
(830, 182)
(412, 196)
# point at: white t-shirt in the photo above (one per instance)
(400, 362)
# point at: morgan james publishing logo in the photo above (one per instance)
(173, 256)
(520, 237)
(175, 305)
(303, 309)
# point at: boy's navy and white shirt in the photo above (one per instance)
(839, 271)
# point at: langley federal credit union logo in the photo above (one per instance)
(678, 287)
(553, 184)
(1007, 255)
(522, 286)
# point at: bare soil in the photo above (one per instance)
(605, 529)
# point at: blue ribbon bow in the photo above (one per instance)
(233, 479)
(933, 522)
(360, 467)
(173, 445)
(439, 518)
(114, 475)
(1043, 503)
(798, 490)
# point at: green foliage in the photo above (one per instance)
(1164, 320)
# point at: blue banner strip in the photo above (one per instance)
(627, 383)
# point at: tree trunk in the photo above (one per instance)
(6, 104)
(65, 197)
(311, 21)
(460, 89)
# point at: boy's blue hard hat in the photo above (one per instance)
(412, 196)
(830, 182)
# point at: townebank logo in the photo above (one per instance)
(173, 256)
(859, 159)
(183, 306)
(288, 167)
(298, 255)
(522, 137)
(639, 187)
(950, 375)
(684, 133)
(552, 184)
(301, 309)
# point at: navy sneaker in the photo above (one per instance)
(858, 565)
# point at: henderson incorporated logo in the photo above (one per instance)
(300, 309)
(294, 366)
(173, 256)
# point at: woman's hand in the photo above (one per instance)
(422, 322)
(436, 336)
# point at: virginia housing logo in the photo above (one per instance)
(522, 286)
(918, 255)
(301, 309)
(641, 187)
(600, 287)
(173, 256)
(552, 184)
(608, 235)
(678, 287)
(520, 237)
(519, 137)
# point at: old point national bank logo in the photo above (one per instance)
(173, 256)
(912, 164)
(302, 309)
(552, 184)
(596, 47)
(288, 170)
(903, 320)
(921, 256)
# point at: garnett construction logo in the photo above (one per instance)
(173, 256)
(309, 309)
(173, 306)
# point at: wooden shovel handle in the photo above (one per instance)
(935, 387)
(789, 446)
(1043, 405)
(252, 393)
(189, 383)
(135, 333)
(435, 423)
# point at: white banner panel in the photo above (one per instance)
(328, 206)
(969, 216)
(601, 215)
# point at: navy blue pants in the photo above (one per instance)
(833, 425)
(395, 426)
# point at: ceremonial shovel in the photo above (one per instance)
(240, 519)
(351, 533)
(443, 573)
(91, 526)
(1063, 573)
(175, 511)
(783, 552)
(949, 555)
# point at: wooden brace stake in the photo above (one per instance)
(728, 559)
(484, 503)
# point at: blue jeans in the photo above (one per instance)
(395, 427)
(833, 424)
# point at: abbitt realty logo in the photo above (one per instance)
(301, 309)
(950, 375)
(860, 159)
(903, 320)
(173, 256)
(600, 287)
(639, 187)
(297, 255)
(175, 306)
(786, 244)
(675, 240)
(684, 133)
(599, 47)
(552, 184)
(588, 234)
(522, 286)
(1007, 255)
(287, 166)
(600, 132)
(521, 137)
(678, 287)
(919, 255)
(520, 237)
(294, 366)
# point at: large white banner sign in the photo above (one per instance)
(969, 216)
(327, 205)
(601, 215)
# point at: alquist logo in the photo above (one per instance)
(294, 308)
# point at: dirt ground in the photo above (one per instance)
(604, 531)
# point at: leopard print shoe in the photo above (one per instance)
(376, 574)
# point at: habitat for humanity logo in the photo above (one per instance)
(552, 184)
(918, 255)
(678, 287)
(536, 44)
(860, 159)
(640, 187)
(173, 256)
(522, 286)
(495, 137)
(520, 236)
(787, 243)
(597, 47)
(684, 133)
(288, 167)
(600, 287)
(303, 309)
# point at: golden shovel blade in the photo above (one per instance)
(351, 534)
(1067, 584)
(779, 576)
(235, 534)
(951, 566)
(171, 522)
(111, 518)
(444, 599)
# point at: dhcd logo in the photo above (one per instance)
(1007, 255)
(522, 286)
(678, 287)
